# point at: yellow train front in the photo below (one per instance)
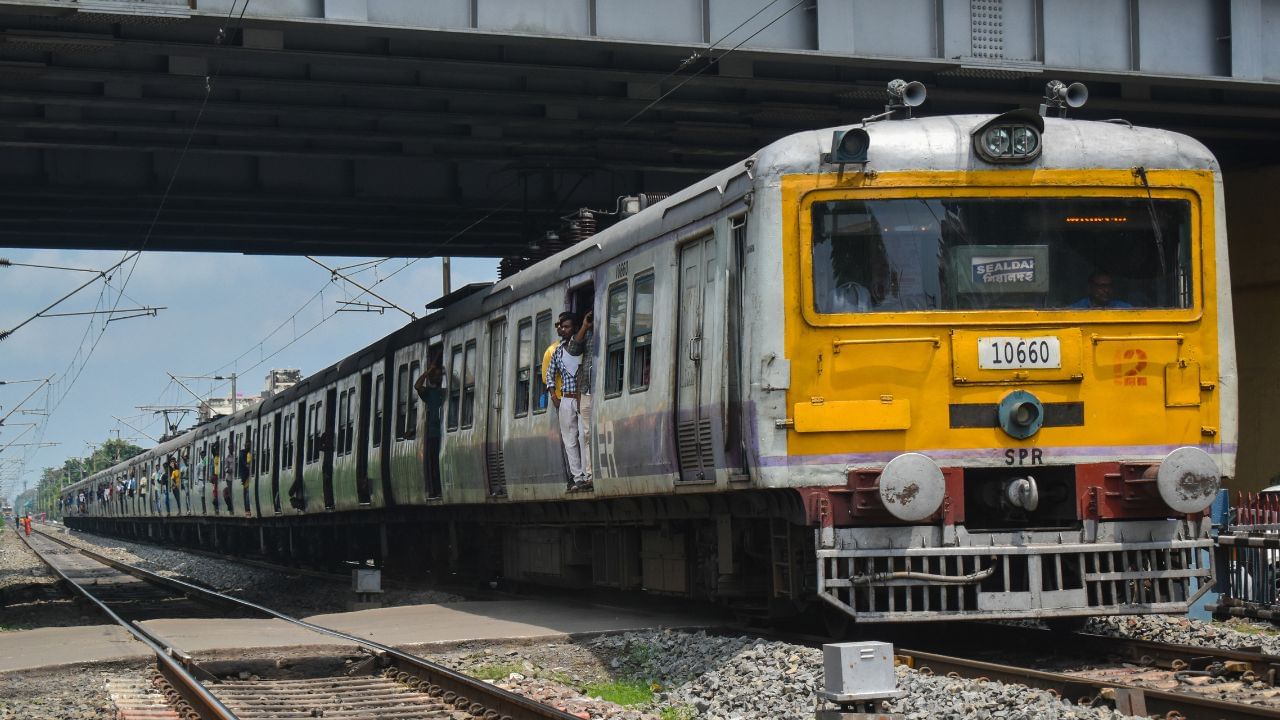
(1006, 352)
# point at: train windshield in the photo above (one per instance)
(921, 254)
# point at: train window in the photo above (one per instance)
(469, 386)
(411, 418)
(524, 366)
(642, 333)
(541, 344)
(378, 403)
(402, 398)
(313, 413)
(616, 338)
(344, 414)
(308, 428)
(264, 451)
(455, 386)
(352, 411)
(920, 254)
(287, 444)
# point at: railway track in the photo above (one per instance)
(975, 651)
(388, 683)
(1143, 678)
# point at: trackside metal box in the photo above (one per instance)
(366, 580)
(858, 671)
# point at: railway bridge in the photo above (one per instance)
(468, 127)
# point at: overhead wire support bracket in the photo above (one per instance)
(356, 306)
(140, 312)
(339, 276)
(24, 400)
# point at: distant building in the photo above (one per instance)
(220, 406)
(279, 380)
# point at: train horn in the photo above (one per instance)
(909, 94)
(1062, 96)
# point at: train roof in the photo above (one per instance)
(945, 143)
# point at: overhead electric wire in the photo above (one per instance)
(5, 262)
(101, 274)
(714, 60)
(134, 255)
(22, 402)
(328, 317)
(697, 54)
(335, 275)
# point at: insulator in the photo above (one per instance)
(583, 225)
(650, 199)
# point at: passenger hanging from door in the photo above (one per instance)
(582, 346)
(430, 388)
(563, 370)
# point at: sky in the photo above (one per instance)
(223, 313)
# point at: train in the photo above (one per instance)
(910, 369)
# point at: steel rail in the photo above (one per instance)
(504, 702)
(1161, 702)
(1182, 657)
(1149, 653)
(182, 680)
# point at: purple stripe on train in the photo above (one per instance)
(1099, 451)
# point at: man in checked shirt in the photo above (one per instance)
(566, 366)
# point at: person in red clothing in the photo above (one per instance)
(26, 521)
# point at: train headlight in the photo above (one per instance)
(912, 487)
(1014, 137)
(996, 141)
(1188, 480)
(1020, 414)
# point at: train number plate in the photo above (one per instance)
(1019, 353)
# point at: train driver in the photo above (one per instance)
(1101, 288)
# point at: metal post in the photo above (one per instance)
(234, 404)
(445, 275)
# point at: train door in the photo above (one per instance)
(434, 421)
(275, 461)
(363, 482)
(582, 300)
(297, 489)
(255, 465)
(328, 446)
(695, 384)
(495, 470)
(382, 438)
(736, 299)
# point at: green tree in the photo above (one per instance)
(52, 480)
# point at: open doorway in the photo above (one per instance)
(581, 302)
(434, 395)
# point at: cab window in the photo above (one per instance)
(922, 254)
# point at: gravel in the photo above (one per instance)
(68, 693)
(1179, 630)
(292, 594)
(29, 594)
(744, 678)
